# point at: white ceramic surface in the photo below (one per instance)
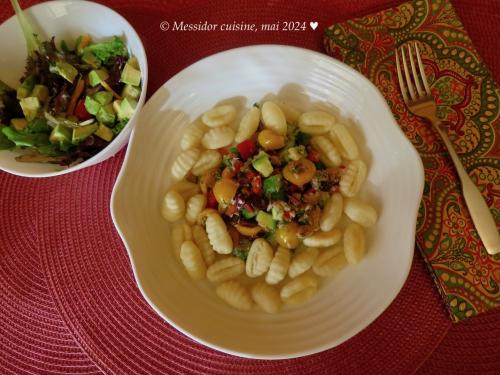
(66, 19)
(346, 303)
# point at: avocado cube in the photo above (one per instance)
(60, 134)
(92, 106)
(19, 124)
(104, 132)
(266, 221)
(262, 164)
(82, 132)
(65, 70)
(41, 92)
(30, 107)
(96, 76)
(103, 97)
(116, 107)
(132, 92)
(26, 87)
(89, 58)
(106, 114)
(134, 63)
(130, 75)
(127, 108)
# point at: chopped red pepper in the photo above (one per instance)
(81, 111)
(237, 164)
(211, 201)
(257, 185)
(313, 155)
(246, 149)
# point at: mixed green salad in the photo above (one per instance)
(72, 100)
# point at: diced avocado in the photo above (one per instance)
(65, 70)
(266, 221)
(262, 164)
(92, 106)
(60, 134)
(134, 63)
(30, 107)
(131, 75)
(82, 132)
(247, 214)
(89, 58)
(103, 97)
(104, 132)
(132, 92)
(127, 108)
(96, 76)
(19, 123)
(26, 87)
(41, 92)
(272, 184)
(116, 107)
(106, 114)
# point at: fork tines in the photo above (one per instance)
(411, 80)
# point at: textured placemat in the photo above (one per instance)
(468, 105)
(69, 303)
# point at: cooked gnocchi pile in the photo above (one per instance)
(257, 211)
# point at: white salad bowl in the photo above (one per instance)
(66, 19)
(346, 303)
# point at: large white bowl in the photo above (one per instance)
(345, 304)
(66, 19)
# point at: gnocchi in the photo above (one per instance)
(218, 137)
(218, 235)
(192, 260)
(201, 240)
(248, 125)
(330, 261)
(299, 289)
(173, 206)
(353, 178)
(184, 162)
(208, 160)
(266, 297)
(329, 154)
(332, 212)
(225, 269)
(354, 243)
(265, 208)
(235, 295)
(279, 266)
(274, 118)
(219, 116)
(323, 239)
(316, 122)
(302, 261)
(360, 212)
(344, 142)
(259, 258)
(191, 137)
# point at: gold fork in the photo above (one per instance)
(421, 103)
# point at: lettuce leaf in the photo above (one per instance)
(104, 51)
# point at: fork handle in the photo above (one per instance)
(478, 209)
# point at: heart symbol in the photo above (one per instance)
(313, 25)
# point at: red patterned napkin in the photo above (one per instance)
(468, 104)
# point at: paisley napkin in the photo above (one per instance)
(468, 104)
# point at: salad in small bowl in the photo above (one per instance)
(77, 98)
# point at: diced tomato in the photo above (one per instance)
(223, 151)
(246, 149)
(231, 210)
(81, 111)
(257, 185)
(211, 201)
(313, 155)
(237, 164)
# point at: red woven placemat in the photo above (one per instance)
(69, 303)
